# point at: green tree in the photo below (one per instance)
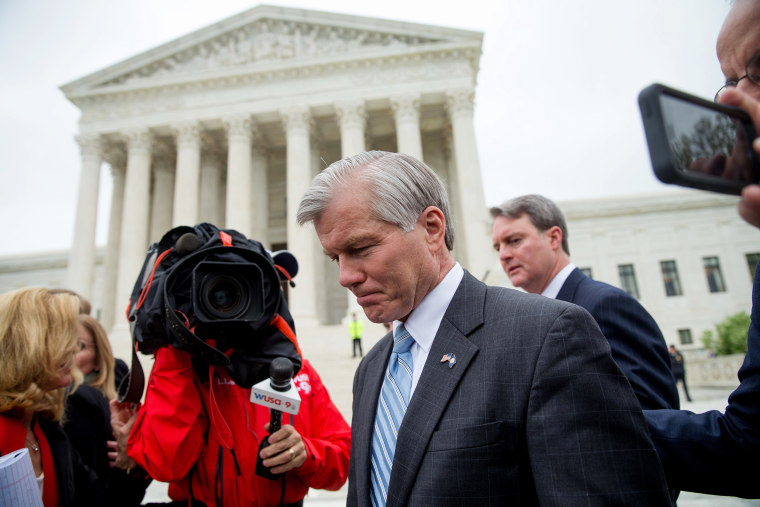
(732, 335)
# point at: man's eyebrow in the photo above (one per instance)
(351, 243)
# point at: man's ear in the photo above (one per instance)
(434, 224)
(554, 234)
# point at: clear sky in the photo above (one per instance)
(556, 109)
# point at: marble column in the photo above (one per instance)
(259, 194)
(117, 159)
(474, 235)
(134, 226)
(186, 185)
(82, 253)
(211, 205)
(301, 240)
(351, 118)
(406, 110)
(163, 199)
(238, 208)
(325, 301)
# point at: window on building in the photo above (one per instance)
(684, 337)
(713, 274)
(628, 279)
(587, 272)
(670, 278)
(752, 260)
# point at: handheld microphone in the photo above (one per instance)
(279, 394)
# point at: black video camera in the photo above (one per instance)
(217, 295)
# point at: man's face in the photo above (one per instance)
(738, 42)
(388, 270)
(527, 255)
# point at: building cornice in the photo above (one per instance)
(640, 204)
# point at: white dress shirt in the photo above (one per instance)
(424, 320)
(558, 281)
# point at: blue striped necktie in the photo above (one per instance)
(391, 407)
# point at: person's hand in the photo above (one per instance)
(286, 450)
(113, 453)
(749, 206)
(123, 417)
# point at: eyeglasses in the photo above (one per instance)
(751, 71)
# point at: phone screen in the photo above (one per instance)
(697, 143)
(706, 142)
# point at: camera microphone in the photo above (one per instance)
(279, 394)
(186, 243)
(286, 263)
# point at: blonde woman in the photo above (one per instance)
(95, 359)
(38, 341)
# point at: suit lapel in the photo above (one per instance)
(567, 291)
(436, 385)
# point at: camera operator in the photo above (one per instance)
(173, 441)
(714, 452)
(197, 429)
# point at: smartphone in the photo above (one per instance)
(697, 143)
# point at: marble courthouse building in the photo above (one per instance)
(230, 123)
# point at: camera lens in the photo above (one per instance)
(229, 292)
(224, 295)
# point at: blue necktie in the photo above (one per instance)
(391, 407)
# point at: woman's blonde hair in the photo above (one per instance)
(104, 361)
(38, 337)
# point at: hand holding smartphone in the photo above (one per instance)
(697, 143)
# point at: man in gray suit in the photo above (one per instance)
(500, 397)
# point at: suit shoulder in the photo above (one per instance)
(520, 301)
(597, 291)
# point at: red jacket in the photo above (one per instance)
(175, 441)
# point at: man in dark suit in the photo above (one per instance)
(714, 452)
(502, 397)
(531, 238)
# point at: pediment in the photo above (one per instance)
(268, 37)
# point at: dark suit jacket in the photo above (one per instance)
(635, 339)
(534, 411)
(714, 452)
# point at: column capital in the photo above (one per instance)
(141, 138)
(188, 132)
(351, 113)
(296, 118)
(238, 126)
(460, 101)
(90, 145)
(406, 107)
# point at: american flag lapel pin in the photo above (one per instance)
(450, 358)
